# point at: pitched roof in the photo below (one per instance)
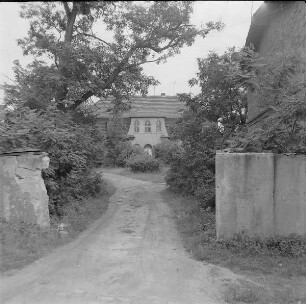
(149, 106)
(261, 20)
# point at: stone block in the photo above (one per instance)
(23, 195)
(290, 194)
(244, 196)
(260, 194)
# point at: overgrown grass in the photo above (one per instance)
(23, 243)
(277, 262)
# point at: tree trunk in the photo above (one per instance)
(65, 54)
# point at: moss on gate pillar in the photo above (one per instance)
(23, 195)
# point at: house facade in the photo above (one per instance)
(147, 131)
(276, 27)
(148, 120)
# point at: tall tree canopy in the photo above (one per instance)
(221, 107)
(210, 119)
(82, 63)
(223, 83)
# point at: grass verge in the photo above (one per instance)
(22, 243)
(278, 263)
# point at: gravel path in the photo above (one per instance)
(131, 255)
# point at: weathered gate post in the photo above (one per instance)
(23, 195)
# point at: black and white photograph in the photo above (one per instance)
(153, 152)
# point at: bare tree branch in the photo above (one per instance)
(155, 48)
(143, 62)
(95, 37)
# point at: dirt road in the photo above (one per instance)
(131, 255)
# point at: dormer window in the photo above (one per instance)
(158, 126)
(136, 126)
(147, 126)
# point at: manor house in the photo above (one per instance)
(148, 120)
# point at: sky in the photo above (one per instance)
(174, 74)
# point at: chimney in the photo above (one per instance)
(163, 94)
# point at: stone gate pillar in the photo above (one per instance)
(23, 195)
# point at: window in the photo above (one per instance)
(158, 126)
(136, 126)
(147, 126)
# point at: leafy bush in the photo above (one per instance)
(279, 85)
(124, 151)
(73, 148)
(166, 150)
(115, 142)
(137, 150)
(127, 150)
(192, 173)
(143, 163)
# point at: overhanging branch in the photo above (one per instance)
(95, 37)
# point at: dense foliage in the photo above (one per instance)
(210, 119)
(143, 163)
(192, 170)
(73, 60)
(223, 89)
(167, 150)
(127, 151)
(74, 149)
(215, 119)
(278, 84)
(115, 141)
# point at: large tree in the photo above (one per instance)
(209, 120)
(224, 84)
(73, 61)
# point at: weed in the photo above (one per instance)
(23, 243)
(280, 260)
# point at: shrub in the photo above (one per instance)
(127, 150)
(192, 173)
(143, 163)
(279, 85)
(137, 150)
(73, 148)
(166, 150)
(115, 142)
(124, 151)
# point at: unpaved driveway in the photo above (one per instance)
(131, 255)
